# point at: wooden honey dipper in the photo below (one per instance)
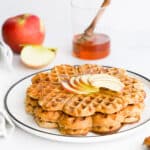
(89, 31)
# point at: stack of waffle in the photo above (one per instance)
(103, 112)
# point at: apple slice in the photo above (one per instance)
(71, 89)
(76, 84)
(73, 84)
(84, 79)
(85, 82)
(106, 81)
(37, 56)
(103, 76)
(114, 86)
(80, 83)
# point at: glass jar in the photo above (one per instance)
(98, 45)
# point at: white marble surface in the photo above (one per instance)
(130, 49)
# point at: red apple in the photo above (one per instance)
(23, 29)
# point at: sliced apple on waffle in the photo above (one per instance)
(91, 83)
(68, 87)
(106, 81)
(76, 82)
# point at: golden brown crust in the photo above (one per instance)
(69, 122)
(55, 101)
(31, 101)
(40, 77)
(30, 104)
(106, 131)
(74, 132)
(45, 124)
(39, 90)
(106, 124)
(47, 116)
(29, 109)
(132, 113)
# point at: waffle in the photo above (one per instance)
(40, 77)
(106, 124)
(36, 91)
(74, 132)
(132, 113)
(45, 124)
(99, 122)
(46, 116)
(133, 90)
(87, 105)
(30, 104)
(74, 125)
(60, 72)
(103, 112)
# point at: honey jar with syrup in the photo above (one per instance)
(92, 44)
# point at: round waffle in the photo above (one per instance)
(47, 116)
(103, 112)
(74, 125)
(45, 124)
(132, 113)
(106, 124)
(70, 122)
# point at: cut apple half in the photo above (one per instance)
(37, 56)
(67, 86)
(106, 81)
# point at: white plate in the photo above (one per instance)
(14, 104)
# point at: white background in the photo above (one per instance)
(129, 22)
